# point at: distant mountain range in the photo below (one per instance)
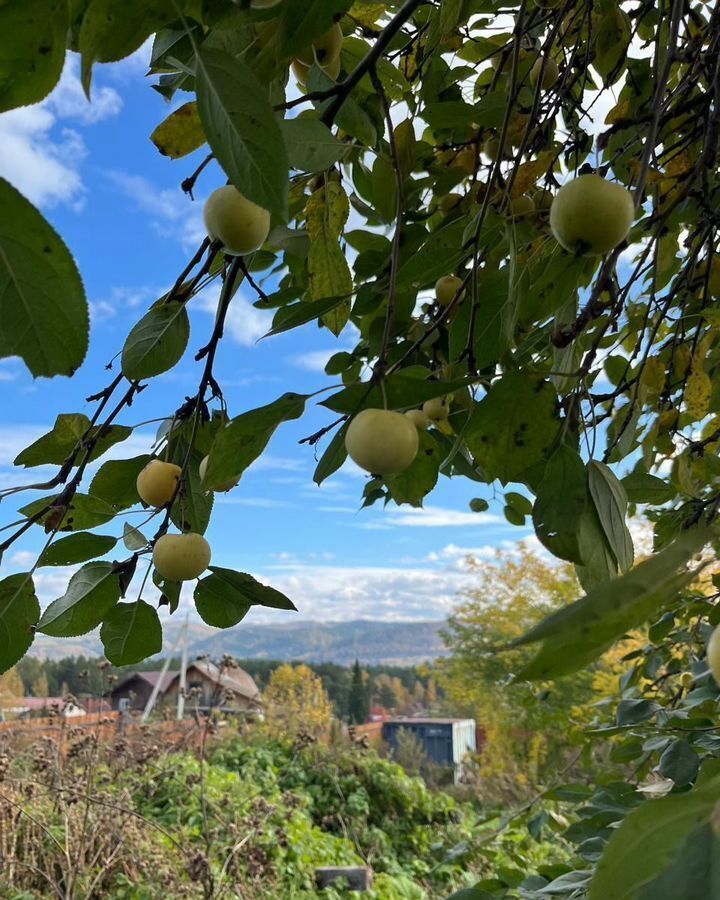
(372, 642)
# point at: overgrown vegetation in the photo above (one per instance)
(127, 821)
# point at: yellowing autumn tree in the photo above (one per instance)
(295, 700)
(529, 727)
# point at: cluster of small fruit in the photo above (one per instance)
(177, 557)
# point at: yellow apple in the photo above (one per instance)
(301, 69)
(542, 198)
(418, 418)
(325, 48)
(437, 409)
(181, 557)
(381, 441)
(446, 288)
(157, 482)
(237, 222)
(550, 72)
(225, 486)
(466, 160)
(591, 216)
(521, 206)
(449, 202)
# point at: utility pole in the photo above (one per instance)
(183, 670)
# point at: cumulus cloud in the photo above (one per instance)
(431, 517)
(121, 299)
(332, 593)
(40, 153)
(172, 213)
(244, 323)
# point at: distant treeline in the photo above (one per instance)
(403, 689)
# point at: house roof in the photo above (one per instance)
(236, 679)
(233, 679)
(150, 678)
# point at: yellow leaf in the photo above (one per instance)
(529, 172)
(619, 112)
(366, 14)
(181, 133)
(327, 211)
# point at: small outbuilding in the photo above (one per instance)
(446, 742)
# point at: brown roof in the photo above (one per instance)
(233, 679)
(150, 678)
(236, 680)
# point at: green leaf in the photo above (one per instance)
(84, 511)
(157, 341)
(579, 633)
(560, 503)
(180, 133)
(297, 314)
(111, 31)
(301, 21)
(449, 114)
(695, 871)
(91, 594)
(218, 603)
(643, 488)
(76, 548)
(414, 483)
(115, 482)
(334, 456)
(513, 426)
(351, 116)
(648, 839)
(133, 538)
(244, 439)
(401, 391)
(224, 597)
(43, 309)
(242, 129)
(440, 253)
(193, 511)
(32, 52)
(130, 633)
(599, 564)
(19, 612)
(54, 447)
(680, 762)
(610, 502)
(612, 39)
(169, 590)
(311, 146)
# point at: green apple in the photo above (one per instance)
(181, 557)
(381, 441)
(157, 482)
(241, 225)
(591, 216)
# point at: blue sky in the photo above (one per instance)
(94, 172)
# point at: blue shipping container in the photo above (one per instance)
(445, 741)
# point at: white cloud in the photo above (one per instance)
(172, 213)
(121, 299)
(332, 593)
(313, 360)
(43, 157)
(244, 324)
(431, 517)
